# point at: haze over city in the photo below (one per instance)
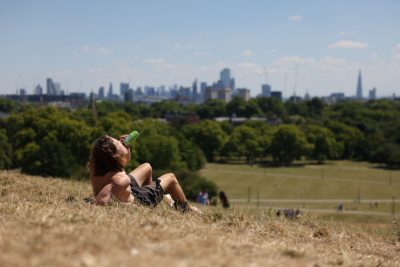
(85, 45)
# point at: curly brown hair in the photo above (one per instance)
(103, 157)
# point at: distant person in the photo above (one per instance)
(340, 207)
(108, 157)
(224, 199)
(202, 197)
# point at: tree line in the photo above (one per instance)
(53, 141)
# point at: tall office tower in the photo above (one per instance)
(101, 92)
(225, 80)
(57, 88)
(50, 87)
(128, 95)
(38, 90)
(359, 93)
(123, 88)
(372, 93)
(266, 90)
(110, 91)
(195, 94)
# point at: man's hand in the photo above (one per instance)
(122, 140)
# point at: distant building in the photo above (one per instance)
(277, 95)
(334, 98)
(57, 88)
(372, 93)
(266, 90)
(195, 93)
(184, 93)
(225, 80)
(359, 92)
(210, 93)
(307, 96)
(123, 88)
(128, 96)
(101, 92)
(22, 91)
(244, 93)
(203, 86)
(224, 94)
(149, 91)
(110, 91)
(50, 88)
(38, 90)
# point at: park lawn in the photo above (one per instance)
(337, 180)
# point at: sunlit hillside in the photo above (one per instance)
(45, 222)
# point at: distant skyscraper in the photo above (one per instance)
(101, 92)
(307, 96)
(123, 88)
(38, 90)
(110, 91)
(57, 88)
(50, 87)
(266, 90)
(195, 93)
(277, 95)
(372, 93)
(359, 93)
(225, 77)
(225, 80)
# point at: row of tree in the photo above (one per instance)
(52, 141)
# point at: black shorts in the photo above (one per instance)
(148, 195)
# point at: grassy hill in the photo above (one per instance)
(45, 222)
(358, 185)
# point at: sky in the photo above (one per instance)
(296, 46)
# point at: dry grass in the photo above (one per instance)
(45, 222)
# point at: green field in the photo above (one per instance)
(356, 184)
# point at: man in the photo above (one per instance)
(108, 158)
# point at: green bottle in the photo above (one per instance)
(131, 137)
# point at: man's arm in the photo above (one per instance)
(128, 147)
(120, 187)
(104, 195)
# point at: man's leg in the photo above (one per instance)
(143, 174)
(170, 185)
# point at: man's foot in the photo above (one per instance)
(194, 209)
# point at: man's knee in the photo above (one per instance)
(172, 178)
(147, 166)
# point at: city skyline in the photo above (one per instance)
(299, 47)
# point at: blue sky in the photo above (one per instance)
(87, 44)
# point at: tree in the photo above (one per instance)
(236, 107)
(243, 142)
(323, 142)
(271, 106)
(288, 143)
(350, 138)
(159, 109)
(211, 109)
(6, 155)
(208, 135)
(161, 151)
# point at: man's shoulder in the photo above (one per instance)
(120, 178)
